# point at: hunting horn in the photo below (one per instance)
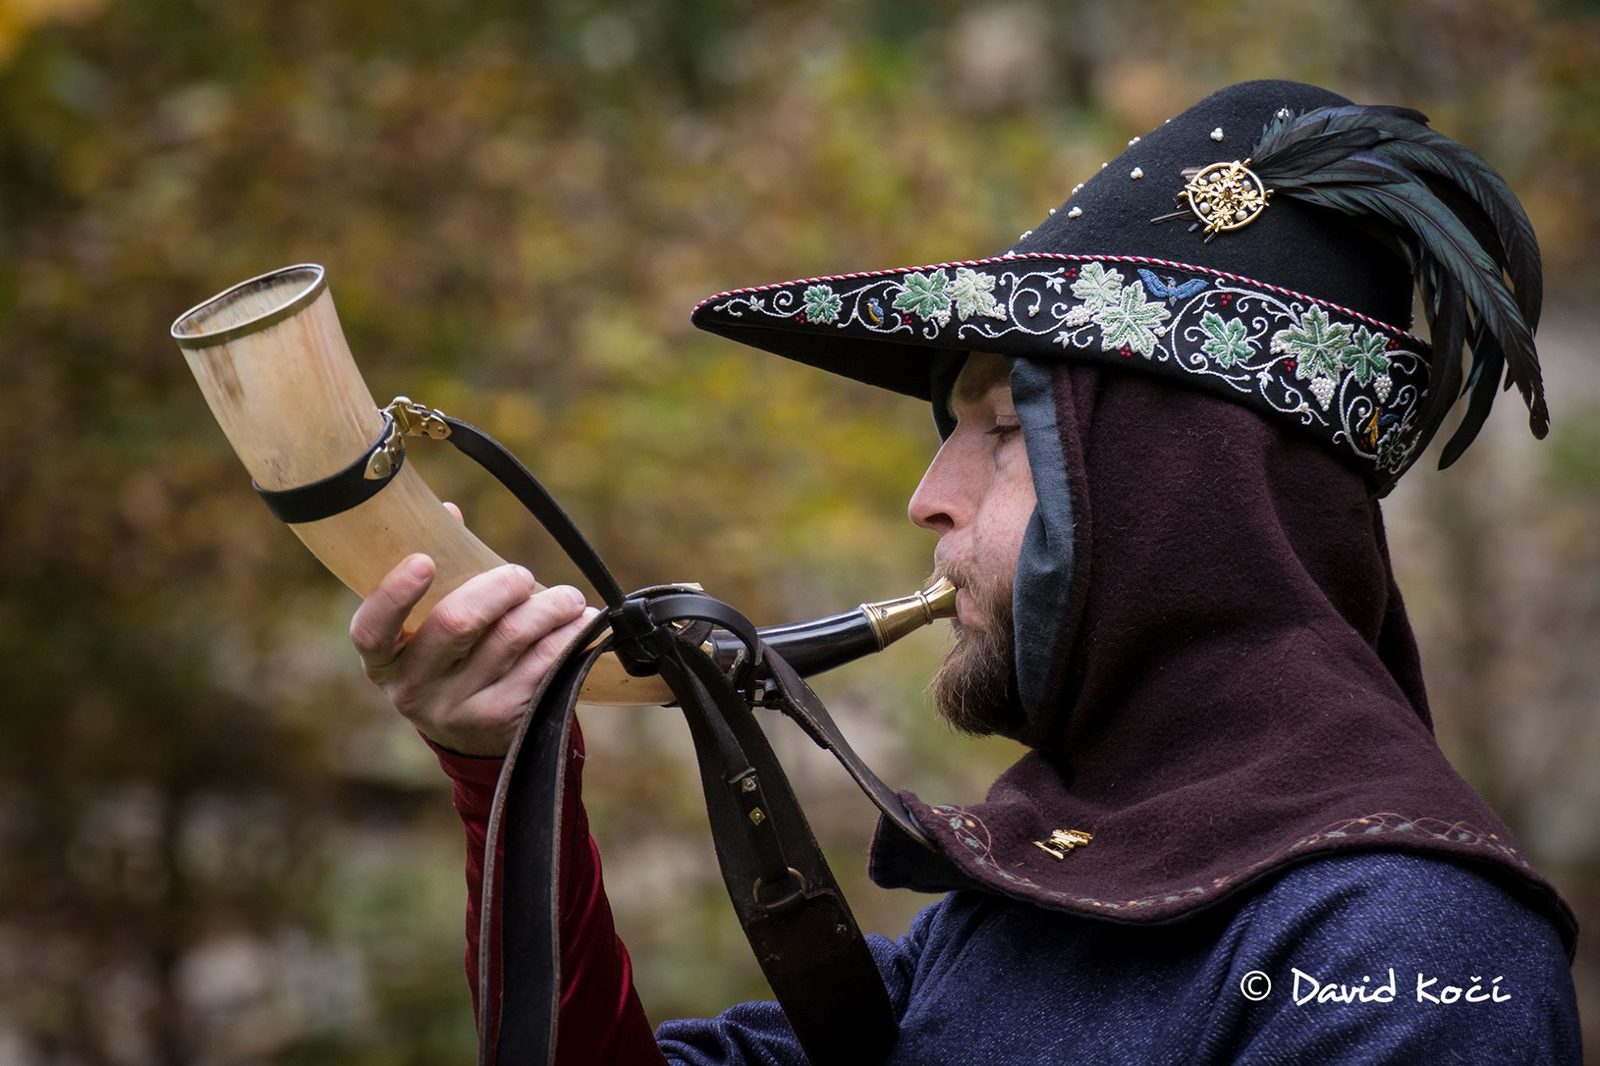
(272, 362)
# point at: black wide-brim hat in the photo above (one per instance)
(1299, 310)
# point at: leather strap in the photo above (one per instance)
(526, 813)
(790, 693)
(796, 919)
(794, 915)
(489, 454)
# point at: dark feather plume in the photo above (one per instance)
(1469, 242)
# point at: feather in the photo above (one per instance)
(1469, 271)
(1445, 310)
(1519, 248)
(1411, 144)
(1287, 129)
(1480, 389)
(1312, 153)
(1471, 247)
(1447, 326)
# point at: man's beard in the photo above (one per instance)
(975, 689)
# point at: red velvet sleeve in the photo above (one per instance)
(601, 1019)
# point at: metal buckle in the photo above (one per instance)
(417, 419)
(405, 418)
(388, 455)
(796, 879)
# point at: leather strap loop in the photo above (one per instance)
(786, 898)
(700, 607)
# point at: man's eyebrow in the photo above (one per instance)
(972, 388)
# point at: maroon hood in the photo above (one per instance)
(1228, 684)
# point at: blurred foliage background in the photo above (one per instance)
(217, 843)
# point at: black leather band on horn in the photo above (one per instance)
(339, 492)
(350, 486)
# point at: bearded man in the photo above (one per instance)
(1233, 837)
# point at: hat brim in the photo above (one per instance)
(1352, 380)
(846, 324)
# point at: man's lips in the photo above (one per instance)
(963, 597)
(965, 609)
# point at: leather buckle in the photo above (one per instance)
(639, 641)
(797, 882)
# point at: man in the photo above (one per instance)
(1233, 838)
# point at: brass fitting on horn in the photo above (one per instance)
(893, 619)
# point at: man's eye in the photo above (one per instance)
(1004, 429)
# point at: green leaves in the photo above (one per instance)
(1224, 339)
(1316, 344)
(1131, 321)
(821, 304)
(1097, 287)
(926, 295)
(1324, 352)
(1366, 355)
(973, 294)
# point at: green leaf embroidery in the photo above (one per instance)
(822, 305)
(1225, 343)
(926, 295)
(973, 294)
(1367, 355)
(1097, 287)
(1394, 447)
(1130, 321)
(1316, 344)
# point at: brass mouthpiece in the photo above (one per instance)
(893, 619)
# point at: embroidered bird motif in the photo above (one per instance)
(1169, 289)
(1376, 425)
(874, 311)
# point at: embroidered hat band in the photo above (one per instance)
(1355, 382)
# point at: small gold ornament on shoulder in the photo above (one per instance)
(1222, 196)
(1062, 841)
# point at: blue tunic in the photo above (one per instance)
(982, 979)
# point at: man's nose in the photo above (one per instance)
(937, 503)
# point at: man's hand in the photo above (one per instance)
(465, 676)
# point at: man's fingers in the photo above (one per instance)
(377, 628)
(517, 686)
(529, 621)
(455, 512)
(457, 622)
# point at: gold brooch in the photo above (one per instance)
(1062, 841)
(1222, 196)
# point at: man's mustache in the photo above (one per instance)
(957, 573)
(991, 598)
